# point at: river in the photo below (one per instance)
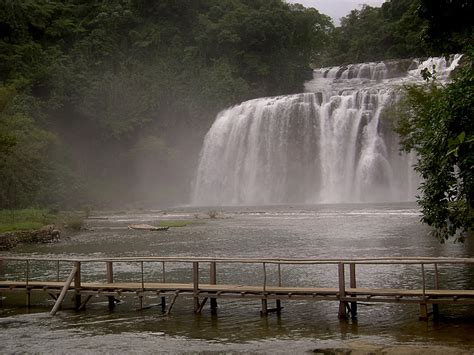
(320, 231)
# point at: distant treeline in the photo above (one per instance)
(401, 29)
(106, 102)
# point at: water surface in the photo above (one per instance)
(325, 231)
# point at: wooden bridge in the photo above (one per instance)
(16, 276)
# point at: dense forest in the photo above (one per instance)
(105, 103)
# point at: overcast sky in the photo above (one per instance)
(336, 8)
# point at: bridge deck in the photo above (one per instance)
(346, 291)
(239, 291)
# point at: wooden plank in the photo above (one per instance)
(239, 288)
(64, 290)
(173, 300)
(406, 292)
(309, 261)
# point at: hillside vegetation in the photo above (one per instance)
(105, 103)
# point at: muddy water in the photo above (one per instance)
(283, 231)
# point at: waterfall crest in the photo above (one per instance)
(330, 144)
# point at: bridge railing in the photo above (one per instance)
(109, 269)
(54, 269)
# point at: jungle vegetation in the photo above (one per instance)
(105, 103)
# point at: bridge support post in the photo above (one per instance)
(342, 292)
(423, 311)
(2, 275)
(213, 281)
(278, 302)
(264, 311)
(196, 286)
(110, 279)
(353, 284)
(163, 298)
(28, 293)
(77, 285)
(163, 304)
(436, 306)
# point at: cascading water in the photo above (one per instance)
(330, 144)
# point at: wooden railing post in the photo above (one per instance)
(435, 305)
(196, 285)
(163, 279)
(264, 277)
(342, 292)
(353, 284)
(28, 293)
(27, 274)
(264, 310)
(2, 277)
(213, 281)
(278, 302)
(423, 305)
(110, 279)
(140, 297)
(77, 285)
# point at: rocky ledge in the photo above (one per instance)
(46, 234)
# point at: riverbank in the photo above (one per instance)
(322, 231)
(358, 347)
(46, 234)
(36, 226)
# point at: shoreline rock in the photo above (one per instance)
(46, 234)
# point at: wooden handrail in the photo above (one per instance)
(380, 260)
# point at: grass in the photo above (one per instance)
(212, 213)
(19, 226)
(178, 223)
(32, 218)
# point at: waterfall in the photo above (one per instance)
(330, 144)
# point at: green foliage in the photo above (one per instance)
(94, 93)
(14, 220)
(25, 165)
(449, 24)
(175, 223)
(103, 102)
(376, 33)
(74, 223)
(212, 214)
(19, 226)
(437, 123)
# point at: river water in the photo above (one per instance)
(323, 231)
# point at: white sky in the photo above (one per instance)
(336, 8)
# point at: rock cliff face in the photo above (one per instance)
(46, 234)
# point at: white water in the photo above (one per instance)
(330, 144)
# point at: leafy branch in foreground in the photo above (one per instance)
(437, 123)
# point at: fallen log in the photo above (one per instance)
(147, 227)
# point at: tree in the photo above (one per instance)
(26, 166)
(437, 122)
(377, 33)
(449, 24)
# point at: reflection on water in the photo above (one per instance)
(283, 231)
